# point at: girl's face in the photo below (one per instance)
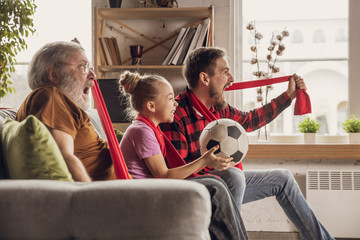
(165, 104)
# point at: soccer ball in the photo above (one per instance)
(229, 135)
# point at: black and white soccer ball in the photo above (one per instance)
(229, 135)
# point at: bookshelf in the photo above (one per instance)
(105, 17)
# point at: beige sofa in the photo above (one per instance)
(121, 209)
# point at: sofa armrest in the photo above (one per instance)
(120, 209)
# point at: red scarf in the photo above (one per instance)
(167, 149)
(302, 104)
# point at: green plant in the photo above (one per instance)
(309, 126)
(352, 125)
(16, 23)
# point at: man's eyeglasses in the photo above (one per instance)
(85, 68)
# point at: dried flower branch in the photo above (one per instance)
(276, 49)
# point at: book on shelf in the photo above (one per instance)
(203, 37)
(187, 40)
(174, 46)
(117, 50)
(176, 55)
(195, 39)
(104, 46)
(109, 51)
(103, 60)
(111, 47)
(199, 37)
(179, 58)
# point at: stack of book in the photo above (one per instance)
(188, 39)
(109, 51)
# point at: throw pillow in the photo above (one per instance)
(119, 134)
(30, 151)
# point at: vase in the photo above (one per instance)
(263, 134)
(167, 3)
(309, 138)
(354, 138)
(136, 52)
(115, 3)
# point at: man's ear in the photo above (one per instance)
(53, 74)
(204, 78)
(150, 106)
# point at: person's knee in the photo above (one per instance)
(285, 176)
(238, 175)
(215, 185)
(237, 184)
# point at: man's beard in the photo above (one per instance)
(220, 103)
(74, 91)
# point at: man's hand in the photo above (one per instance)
(295, 82)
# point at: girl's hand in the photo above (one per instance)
(218, 163)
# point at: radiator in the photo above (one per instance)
(334, 197)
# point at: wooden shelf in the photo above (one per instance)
(118, 17)
(150, 13)
(304, 151)
(122, 67)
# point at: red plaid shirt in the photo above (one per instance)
(184, 132)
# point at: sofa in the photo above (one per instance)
(119, 209)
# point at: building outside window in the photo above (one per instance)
(317, 50)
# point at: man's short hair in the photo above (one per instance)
(201, 60)
(52, 54)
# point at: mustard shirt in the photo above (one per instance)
(52, 107)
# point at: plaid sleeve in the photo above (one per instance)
(258, 117)
(175, 133)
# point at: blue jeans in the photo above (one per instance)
(248, 186)
(226, 222)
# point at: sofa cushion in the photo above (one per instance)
(4, 113)
(30, 151)
(151, 209)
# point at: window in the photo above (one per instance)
(319, 36)
(341, 35)
(53, 21)
(296, 36)
(322, 63)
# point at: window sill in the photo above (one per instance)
(302, 151)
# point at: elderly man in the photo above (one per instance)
(208, 74)
(60, 77)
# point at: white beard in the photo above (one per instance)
(76, 92)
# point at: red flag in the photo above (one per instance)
(120, 168)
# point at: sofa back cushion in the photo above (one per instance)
(30, 151)
(4, 113)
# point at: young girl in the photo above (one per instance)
(143, 145)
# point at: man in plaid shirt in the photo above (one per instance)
(208, 75)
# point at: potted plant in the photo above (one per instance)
(352, 127)
(16, 23)
(309, 127)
